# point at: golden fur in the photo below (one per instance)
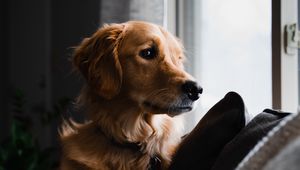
(127, 98)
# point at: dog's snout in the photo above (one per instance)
(192, 90)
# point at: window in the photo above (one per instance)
(234, 49)
(229, 46)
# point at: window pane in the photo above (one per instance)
(233, 51)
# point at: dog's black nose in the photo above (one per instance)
(192, 90)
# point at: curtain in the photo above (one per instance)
(117, 11)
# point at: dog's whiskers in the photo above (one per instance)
(156, 92)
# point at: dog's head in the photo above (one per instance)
(141, 61)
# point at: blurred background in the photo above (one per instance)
(231, 45)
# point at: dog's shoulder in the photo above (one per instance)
(83, 143)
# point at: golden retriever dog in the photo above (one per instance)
(135, 89)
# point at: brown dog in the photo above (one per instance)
(135, 86)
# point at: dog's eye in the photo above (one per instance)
(148, 53)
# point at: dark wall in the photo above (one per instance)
(71, 22)
(4, 118)
(27, 49)
(36, 39)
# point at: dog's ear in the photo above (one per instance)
(98, 60)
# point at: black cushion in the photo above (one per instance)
(200, 149)
(234, 152)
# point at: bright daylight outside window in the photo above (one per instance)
(232, 52)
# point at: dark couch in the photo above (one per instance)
(225, 139)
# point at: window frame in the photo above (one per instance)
(284, 66)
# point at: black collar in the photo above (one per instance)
(134, 146)
(155, 163)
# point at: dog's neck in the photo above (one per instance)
(120, 118)
(126, 125)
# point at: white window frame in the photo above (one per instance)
(285, 66)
